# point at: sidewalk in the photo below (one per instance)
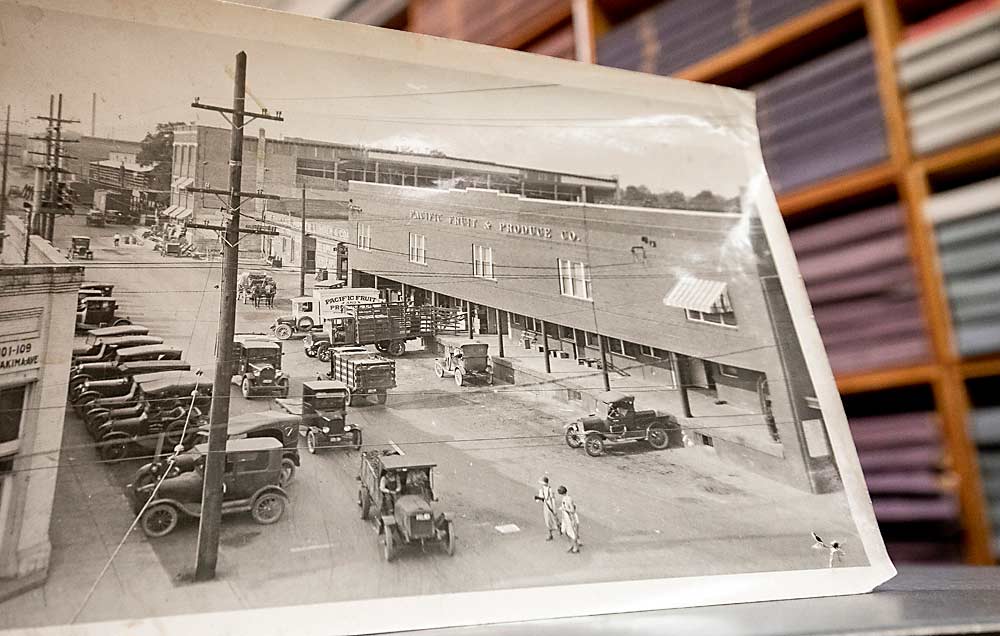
(572, 382)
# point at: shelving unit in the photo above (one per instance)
(945, 373)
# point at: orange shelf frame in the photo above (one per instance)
(882, 379)
(971, 153)
(837, 189)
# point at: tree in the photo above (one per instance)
(157, 149)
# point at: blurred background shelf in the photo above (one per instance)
(879, 125)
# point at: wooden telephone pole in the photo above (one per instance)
(212, 491)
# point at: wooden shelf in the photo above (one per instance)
(836, 189)
(749, 51)
(882, 379)
(981, 367)
(976, 152)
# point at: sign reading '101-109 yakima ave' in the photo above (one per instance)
(19, 355)
(503, 227)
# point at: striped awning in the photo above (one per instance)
(165, 214)
(698, 294)
(183, 213)
(184, 182)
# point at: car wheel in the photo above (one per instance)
(438, 370)
(114, 448)
(594, 445)
(323, 353)
(159, 520)
(283, 332)
(268, 508)
(657, 438)
(311, 442)
(380, 347)
(458, 377)
(356, 439)
(365, 502)
(175, 433)
(449, 547)
(381, 397)
(283, 389)
(397, 348)
(245, 388)
(309, 351)
(349, 398)
(489, 376)
(143, 477)
(121, 321)
(573, 439)
(287, 474)
(389, 545)
(305, 324)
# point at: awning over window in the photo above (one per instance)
(165, 214)
(184, 213)
(697, 294)
(183, 182)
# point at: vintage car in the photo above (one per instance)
(280, 426)
(257, 366)
(105, 289)
(116, 332)
(171, 248)
(617, 421)
(408, 516)
(146, 352)
(104, 348)
(98, 311)
(80, 247)
(364, 373)
(250, 484)
(324, 414)
(471, 360)
(176, 406)
(172, 387)
(81, 373)
(97, 218)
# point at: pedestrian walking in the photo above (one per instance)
(549, 514)
(118, 239)
(570, 520)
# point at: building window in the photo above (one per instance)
(566, 333)
(11, 409)
(574, 279)
(614, 345)
(652, 352)
(729, 371)
(725, 318)
(631, 349)
(482, 262)
(364, 237)
(418, 249)
(517, 320)
(590, 339)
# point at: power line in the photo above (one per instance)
(411, 94)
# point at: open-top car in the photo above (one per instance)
(280, 426)
(81, 373)
(115, 332)
(257, 366)
(468, 361)
(406, 515)
(616, 420)
(80, 247)
(251, 483)
(104, 348)
(98, 311)
(324, 414)
(105, 289)
(146, 352)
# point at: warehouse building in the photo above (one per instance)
(688, 305)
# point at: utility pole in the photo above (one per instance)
(302, 248)
(212, 493)
(53, 169)
(93, 114)
(3, 181)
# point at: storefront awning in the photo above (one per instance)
(182, 182)
(698, 294)
(165, 214)
(184, 213)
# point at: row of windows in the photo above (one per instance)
(574, 276)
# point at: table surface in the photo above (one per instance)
(920, 600)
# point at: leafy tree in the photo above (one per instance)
(157, 149)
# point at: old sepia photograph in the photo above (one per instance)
(389, 332)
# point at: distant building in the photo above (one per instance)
(121, 171)
(90, 150)
(37, 313)
(283, 167)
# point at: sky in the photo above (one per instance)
(144, 75)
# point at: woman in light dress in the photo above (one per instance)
(570, 520)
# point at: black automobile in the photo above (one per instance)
(103, 348)
(324, 416)
(257, 366)
(83, 373)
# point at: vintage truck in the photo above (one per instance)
(364, 373)
(388, 326)
(309, 312)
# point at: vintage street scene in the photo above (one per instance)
(275, 339)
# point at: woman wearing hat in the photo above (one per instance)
(548, 499)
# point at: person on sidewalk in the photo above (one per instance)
(570, 520)
(118, 239)
(548, 499)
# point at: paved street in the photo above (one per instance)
(644, 513)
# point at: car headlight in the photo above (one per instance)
(347, 427)
(326, 429)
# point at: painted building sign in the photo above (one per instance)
(20, 355)
(501, 227)
(20, 340)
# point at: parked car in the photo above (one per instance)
(470, 360)
(80, 248)
(616, 421)
(257, 366)
(147, 352)
(106, 289)
(97, 218)
(251, 484)
(407, 517)
(115, 332)
(104, 348)
(98, 311)
(324, 415)
(82, 373)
